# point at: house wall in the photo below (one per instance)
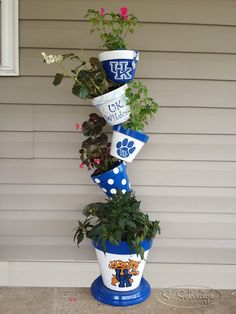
(185, 175)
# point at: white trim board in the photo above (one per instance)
(9, 64)
(79, 274)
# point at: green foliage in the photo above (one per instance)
(95, 150)
(119, 219)
(142, 107)
(89, 80)
(112, 28)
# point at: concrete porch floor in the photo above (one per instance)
(79, 301)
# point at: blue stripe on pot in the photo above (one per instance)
(135, 134)
(123, 248)
(126, 143)
(113, 180)
(120, 65)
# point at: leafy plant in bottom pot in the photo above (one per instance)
(128, 138)
(118, 62)
(110, 173)
(90, 82)
(122, 236)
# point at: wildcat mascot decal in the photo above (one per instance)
(124, 272)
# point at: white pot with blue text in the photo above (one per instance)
(126, 143)
(113, 106)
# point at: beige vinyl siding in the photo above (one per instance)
(185, 175)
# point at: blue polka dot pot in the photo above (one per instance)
(119, 65)
(127, 143)
(113, 180)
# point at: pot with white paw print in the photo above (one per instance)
(113, 180)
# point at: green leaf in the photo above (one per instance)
(57, 79)
(118, 219)
(67, 55)
(82, 92)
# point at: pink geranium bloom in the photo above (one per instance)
(81, 165)
(102, 11)
(78, 126)
(123, 12)
(97, 161)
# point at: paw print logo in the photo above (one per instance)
(125, 148)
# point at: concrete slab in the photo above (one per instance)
(79, 301)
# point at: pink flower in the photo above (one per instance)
(126, 17)
(81, 165)
(102, 11)
(123, 12)
(78, 126)
(97, 161)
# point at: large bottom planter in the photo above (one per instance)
(113, 180)
(121, 282)
(126, 143)
(113, 106)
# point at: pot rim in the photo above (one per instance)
(118, 54)
(122, 166)
(109, 95)
(132, 133)
(123, 247)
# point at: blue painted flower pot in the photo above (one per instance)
(126, 143)
(121, 282)
(113, 180)
(119, 65)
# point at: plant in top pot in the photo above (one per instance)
(118, 62)
(110, 173)
(128, 138)
(122, 236)
(90, 82)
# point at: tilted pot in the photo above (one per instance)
(113, 106)
(120, 65)
(126, 143)
(113, 180)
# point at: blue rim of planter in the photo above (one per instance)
(129, 132)
(122, 166)
(119, 298)
(123, 247)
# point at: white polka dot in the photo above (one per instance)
(116, 170)
(113, 191)
(123, 191)
(97, 180)
(129, 185)
(104, 190)
(123, 182)
(110, 181)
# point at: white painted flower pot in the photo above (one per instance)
(113, 106)
(120, 270)
(126, 143)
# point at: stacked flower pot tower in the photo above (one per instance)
(120, 232)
